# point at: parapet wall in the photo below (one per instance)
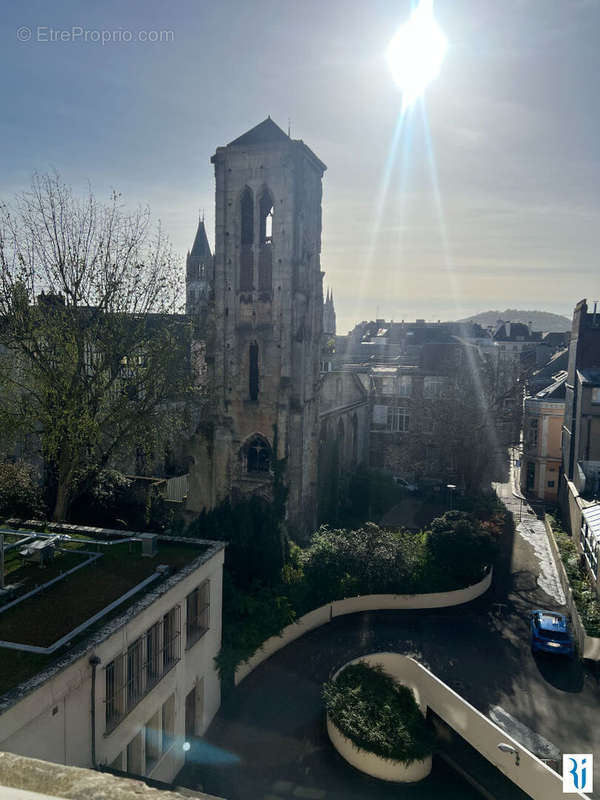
(521, 767)
(47, 780)
(353, 605)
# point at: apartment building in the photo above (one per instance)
(112, 662)
(580, 487)
(542, 426)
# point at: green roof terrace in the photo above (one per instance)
(62, 589)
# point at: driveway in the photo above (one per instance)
(272, 725)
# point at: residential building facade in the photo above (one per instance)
(580, 484)
(542, 430)
(131, 693)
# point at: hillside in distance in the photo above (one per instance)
(540, 320)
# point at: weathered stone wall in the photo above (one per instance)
(283, 323)
(74, 783)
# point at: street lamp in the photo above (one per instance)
(508, 748)
(451, 488)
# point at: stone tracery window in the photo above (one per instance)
(258, 455)
(265, 256)
(253, 372)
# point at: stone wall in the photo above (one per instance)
(49, 780)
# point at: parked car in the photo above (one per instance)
(404, 484)
(550, 633)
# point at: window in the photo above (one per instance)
(247, 212)
(190, 714)
(258, 455)
(247, 240)
(551, 484)
(397, 419)
(134, 755)
(115, 699)
(152, 736)
(387, 385)
(265, 256)
(170, 638)
(253, 372)
(153, 654)
(266, 219)
(532, 437)
(135, 681)
(132, 674)
(198, 613)
(596, 395)
(404, 386)
(433, 387)
(380, 415)
(168, 723)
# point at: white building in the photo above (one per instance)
(131, 692)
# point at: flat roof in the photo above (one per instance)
(591, 514)
(88, 581)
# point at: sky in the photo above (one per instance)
(487, 198)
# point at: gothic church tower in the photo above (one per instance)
(266, 325)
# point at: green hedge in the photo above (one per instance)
(457, 552)
(346, 563)
(377, 714)
(584, 595)
(249, 619)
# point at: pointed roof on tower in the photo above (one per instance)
(201, 248)
(265, 132)
(268, 133)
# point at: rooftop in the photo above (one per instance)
(61, 589)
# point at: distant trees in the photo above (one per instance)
(92, 359)
(470, 420)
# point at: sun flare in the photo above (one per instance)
(416, 52)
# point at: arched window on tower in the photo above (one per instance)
(258, 455)
(265, 256)
(253, 372)
(246, 241)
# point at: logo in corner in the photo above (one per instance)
(578, 772)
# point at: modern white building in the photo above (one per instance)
(137, 683)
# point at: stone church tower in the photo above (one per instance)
(198, 273)
(263, 352)
(329, 326)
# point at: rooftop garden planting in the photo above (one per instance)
(45, 617)
(377, 714)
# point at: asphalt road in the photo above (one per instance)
(272, 726)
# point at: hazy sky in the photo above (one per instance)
(502, 209)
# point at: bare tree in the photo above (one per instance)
(92, 353)
(472, 419)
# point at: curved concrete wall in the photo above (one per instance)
(383, 768)
(353, 605)
(533, 776)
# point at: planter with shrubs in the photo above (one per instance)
(376, 724)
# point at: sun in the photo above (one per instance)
(416, 52)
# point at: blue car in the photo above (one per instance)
(550, 633)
